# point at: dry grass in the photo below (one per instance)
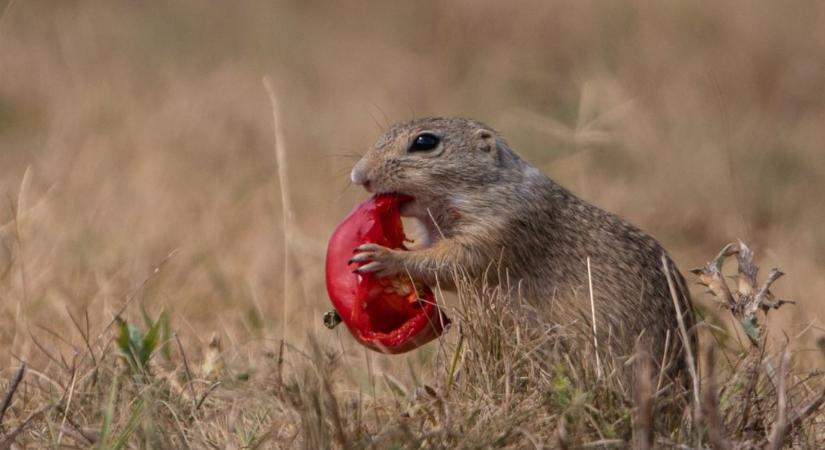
(137, 172)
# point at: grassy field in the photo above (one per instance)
(139, 179)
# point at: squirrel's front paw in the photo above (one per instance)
(379, 260)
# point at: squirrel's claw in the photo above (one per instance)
(367, 253)
(379, 260)
(370, 267)
(369, 247)
(360, 257)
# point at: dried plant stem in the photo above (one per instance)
(187, 372)
(9, 439)
(691, 362)
(808, 409)
(663, 365)
(21, 261)
(454, 365)
(286, 207)
(561, 434)
(132, 295)
(211, 388)
(781, 426)
(18, 377)
(643, 423)
(68, 402)
(593, 317)
(717, 435)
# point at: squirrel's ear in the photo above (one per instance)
(486, 141)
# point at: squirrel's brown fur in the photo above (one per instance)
(486, 207)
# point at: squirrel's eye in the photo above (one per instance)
(424, 142)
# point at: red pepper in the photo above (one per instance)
(391, 314)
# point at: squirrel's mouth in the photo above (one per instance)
(419, 234)
(403, 197)
(406, 205)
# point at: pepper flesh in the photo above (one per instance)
(391, 314)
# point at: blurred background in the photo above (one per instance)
(131, 130)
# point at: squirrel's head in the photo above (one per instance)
(428, 159)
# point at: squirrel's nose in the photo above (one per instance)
(358, 174)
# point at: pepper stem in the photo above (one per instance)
(331, 319)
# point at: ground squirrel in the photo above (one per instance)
(484, 206)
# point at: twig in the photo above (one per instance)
(84, 335)
(807, 410)
(286, 207)
(59, 362)
(135, 292)
(338, 425)
(530, 438)
(70, 395)
(593, 318)
(780, 427)
(664, 365)
(57, 336)
(717, 435)
(561, 434)
(8, 440)
(683, 330)
(813, 405)
(206, 394)
(605, 443)
(76, 435)
(755, 355)
(15, 381)
(281, 363)
(186, 369)
(90, 439)
(22, 195)
(643, 425)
